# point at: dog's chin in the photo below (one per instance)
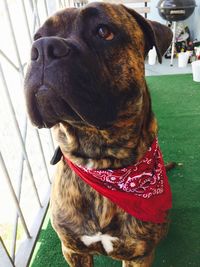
(46, 112)
(46, 108)
(40, 121)
(49, 114)
(50, 118)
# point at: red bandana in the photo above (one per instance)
(142, 189)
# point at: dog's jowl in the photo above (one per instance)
(86, 81)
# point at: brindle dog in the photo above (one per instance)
(86, 80)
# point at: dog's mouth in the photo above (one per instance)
(51, 101)
(46, 108)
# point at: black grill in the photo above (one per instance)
(176, 10)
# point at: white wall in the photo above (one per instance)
(193, 22)
(154, 15)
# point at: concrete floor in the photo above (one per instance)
(165, 68)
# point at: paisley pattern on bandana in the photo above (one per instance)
(144, 179)
(141, 189)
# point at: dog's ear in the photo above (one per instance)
(156, 34)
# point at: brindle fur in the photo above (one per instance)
(117, 135)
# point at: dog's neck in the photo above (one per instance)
(121, 145)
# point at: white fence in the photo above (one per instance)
(25, 153)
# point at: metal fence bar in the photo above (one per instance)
(46, 8)
(64, 3)
(13, 36)
(60, 3)
(52, 141)
(19, 176)
(6, 174)
(7, 254)
(34, 16)
(43, 157)
(25, 250)
(9, 60)
(31, 4)
(19, 135)
(34, 24)
(26, 20)
(36, 11)
(18, 194)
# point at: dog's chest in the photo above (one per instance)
(73, 200)
(81, 216)
(87, 221)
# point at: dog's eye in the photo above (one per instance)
(105, 33)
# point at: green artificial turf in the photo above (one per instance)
(176, 103)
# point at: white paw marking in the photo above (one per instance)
(106, 240)
(89, 240)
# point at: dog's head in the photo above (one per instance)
(87, 65)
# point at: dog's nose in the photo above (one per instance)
(49, 48)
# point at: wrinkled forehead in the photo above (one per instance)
(72, 19)
(59, 23)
